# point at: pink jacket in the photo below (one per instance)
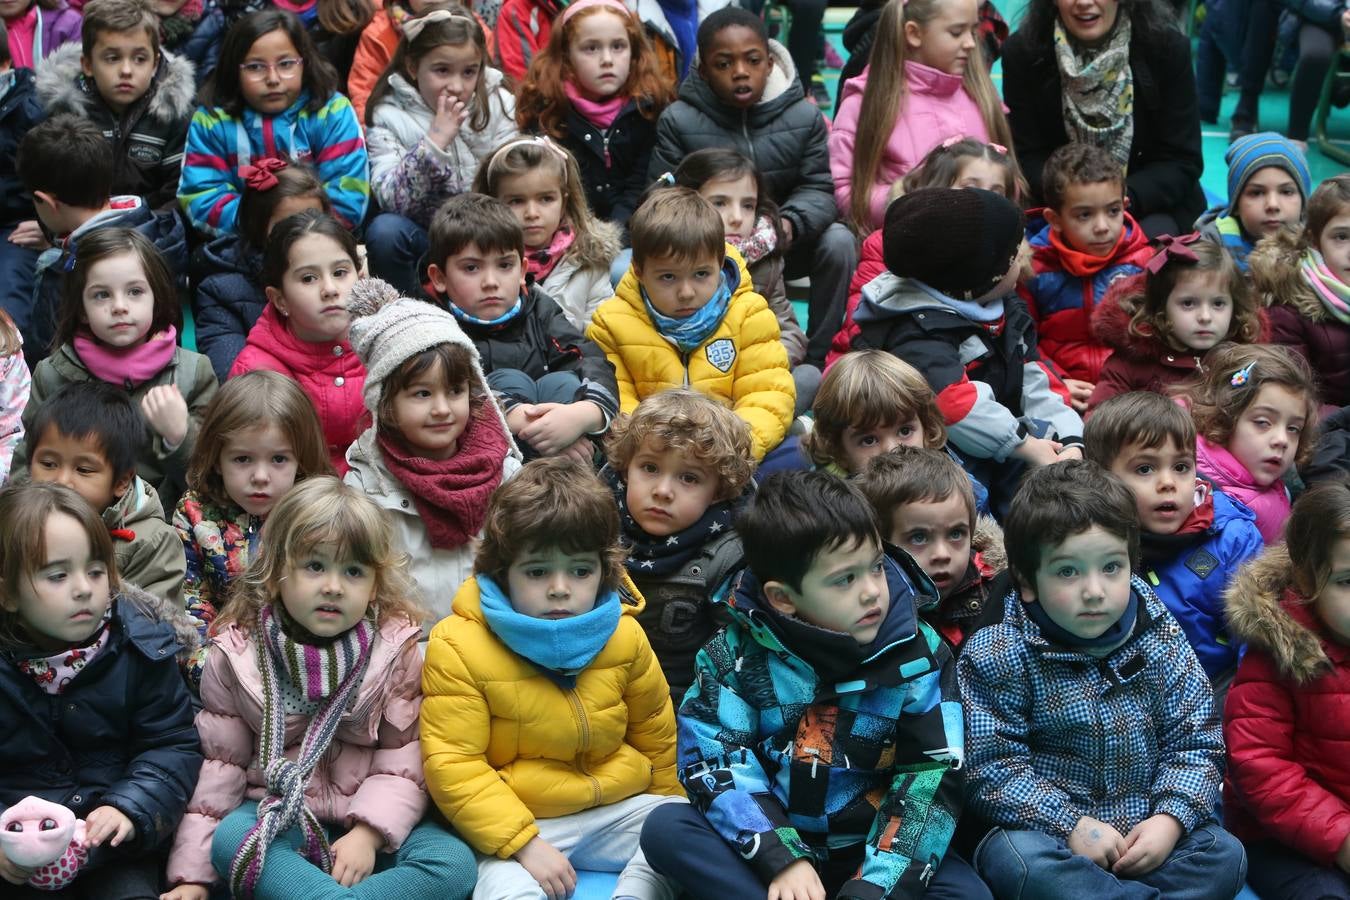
(331, 374)
(1271, 504)
(372, 772)
(935, 107)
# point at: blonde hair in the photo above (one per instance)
(868, 389)
(1217, 404)
(520, 155)
(323, 511)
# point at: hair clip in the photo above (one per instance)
(999, 147)
(69, 265)
(1172, 248)
(413, 27)
(667, 179)
(1243, 375)
(260, 175)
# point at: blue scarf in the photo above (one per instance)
(983, 313)
(1110, 638)
(687, 333)
(561, 646)
(488, 323)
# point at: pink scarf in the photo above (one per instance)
(540, 263)
(598, 112)
(21, 30)
(761, 242)
(127, 368)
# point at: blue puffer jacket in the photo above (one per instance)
(120, 735)
(20, 110)
(228, 299)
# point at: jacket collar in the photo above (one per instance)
(921, 79)
(271, 334)
(1150, 613)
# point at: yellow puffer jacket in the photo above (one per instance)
(502, 743)
(742, 364)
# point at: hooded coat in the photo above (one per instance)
(580, 282)
(149, 553)
(20, 111)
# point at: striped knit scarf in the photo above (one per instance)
(1334, 293)
(329, 673)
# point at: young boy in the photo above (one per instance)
(1268, 186)
(87, 436)
(141, 99)
(745, 94)
(926, 507)
(821, 743)
(677, 467)
(1093, 743)
(1082, 241)
(557, 388)
(65, 164)
(686, 315)
(546, 724)
(20, 236)
(1193, 536)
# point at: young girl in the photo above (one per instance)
(272, 95)
(308, 270)
(1304, 280)
(15, 384)
(118, 324)
(1288, 790)
(921, 85)
(1163, 322)
(439, 444)
(229, 295)
(435, 114)
(94, 713)
(568, 250)
(1255, 413)
(597, 88)
(259, 437)
(36, 28)
(309, 721)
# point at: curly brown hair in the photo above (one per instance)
(1150, 305)
(1217, 404)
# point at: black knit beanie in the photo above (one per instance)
(960, 242)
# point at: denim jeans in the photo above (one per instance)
(1280, 873)
(394, 249)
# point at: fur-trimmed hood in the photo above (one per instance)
(1111, 321)
(1265, 612)
(63, 87)
(988, 542)
(595, 248)
(1274, 267)
(169, 612)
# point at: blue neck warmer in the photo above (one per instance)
(689, 332)
(488, 323)
(562, 646)
(967, 309)
(1110, 638)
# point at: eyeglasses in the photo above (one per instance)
(285, 68)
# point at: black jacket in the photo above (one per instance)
(19, 112)
(227, 300)
(613, 189)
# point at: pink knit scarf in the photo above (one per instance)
(540, 263)
(599, 112)
(130, 367)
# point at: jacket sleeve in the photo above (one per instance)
(198, 595)
(170, 167)
(1190, 764)
(411, 181)
(842, 137)
(1041, 401)
(599, 332)
(762, 392)
(368, 64)
(1025, 93)
(340, 157)
(811, 207)
(1001, 784)
(633, 183)
(522, 30)
(568, 351)
(1113, 380)
(651, 719)
(158, 565)
(1170, 169)
(668, 149)
(15, 385)
(221, 329)
(1289, 328)
(203, 390)
(769, 284)
(44, 381)
(209, 188)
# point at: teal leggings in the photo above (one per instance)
(432, 862)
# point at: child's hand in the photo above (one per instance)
(1147, 846)
(354, 854)
(1074, 452)
(450, 115)
(1079, 392)
(1036, 451)
(166, 412)
(799, 881)
(1097, 841)
(551, 428)
(12, 872)
(187, 892)
(789, 233)
(29, 234)
(548, 867)
(106, 822)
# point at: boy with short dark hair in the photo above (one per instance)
(556, 387)
(1193, 537)
(142, 98)
(20, 235)
(821, 744)
(88, 436)
(1094, 745)
(1082, 241)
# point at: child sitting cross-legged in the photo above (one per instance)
(821, 743)
(1093, 744)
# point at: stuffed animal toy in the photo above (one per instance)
(46, 837)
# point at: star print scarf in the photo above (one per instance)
(649, 555)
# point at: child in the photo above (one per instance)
(272, 95)
(259, 437)
(1304, 282)
(745, 95)
(436, 113)
(685, 314)
(20, 236)
(556, 387)
(229, 296)
(568, 250)
(94, 714)
(309, 267)
(945, 306)
(141, 97)
(1093, 746)
(925, 81)
(87, 436)
(924, 502)
(824, 664)
(1162, 324)
(677, 467)
(1082, 241)
(581, 748)
(1286, 791)
(439, 444)
(1256, 416)
(15, 385)
(1193, 537)
(1268, 186)
(36, 28)
(309, 721)
(597, 89)
(64, 163)
(119, 325)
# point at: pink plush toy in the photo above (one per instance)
(45, 837)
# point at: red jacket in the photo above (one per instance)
(870, 265)
(331, 375)
(1287, 719)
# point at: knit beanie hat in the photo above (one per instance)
(960, 242)
(1248, 155)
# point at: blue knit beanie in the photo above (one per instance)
(1248, 155)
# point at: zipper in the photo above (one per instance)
(584, 727)
(684, 361)
(745, 133)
